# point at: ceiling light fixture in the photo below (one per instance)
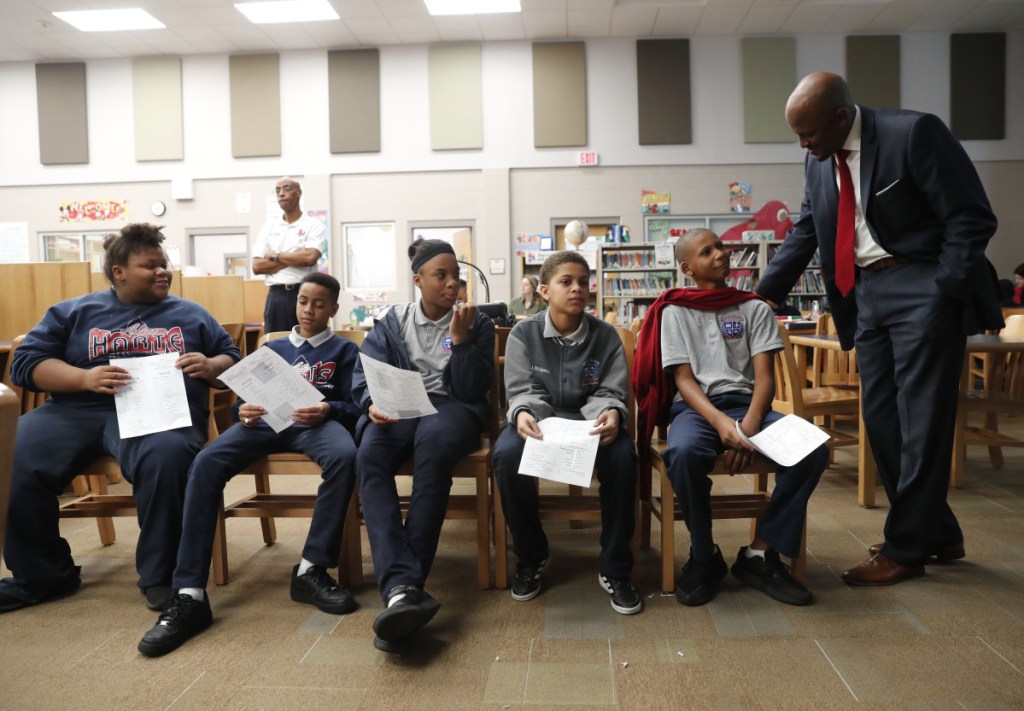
(471, 7)
(281, 11)
(129, 18)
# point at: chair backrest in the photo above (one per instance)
(356, 335)
(237, 333)
(636, 325)
(1014, 326)
(269, 336)
(788, 382)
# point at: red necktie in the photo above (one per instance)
(844, 227)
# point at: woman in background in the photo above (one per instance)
(530, 302)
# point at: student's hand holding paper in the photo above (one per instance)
(250, 414)
(312, 416)
(607, 425)
(379, 417)
(105, 379)
(526, 425)
(196, 365)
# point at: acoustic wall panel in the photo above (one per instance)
(977, 77)
(559, 94)
(63, 120)
(157, 108)
(456, 97)
(353, 87)
(663, 91)
(255, 105)
(769, 77)
(873, 70)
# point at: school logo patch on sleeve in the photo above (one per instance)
(591, 372)
(731, 325)
(446, 342)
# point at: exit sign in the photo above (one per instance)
(588, 158)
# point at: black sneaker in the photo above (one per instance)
(526, 580)
(624, 597)
(157, 597)
(183, 618)
(772, 576)
(316, 587)
(698, 581)
(401, 619)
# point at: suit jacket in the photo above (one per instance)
(922, 200)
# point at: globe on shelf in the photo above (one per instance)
(576, 232)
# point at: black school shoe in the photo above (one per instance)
(397, 623)
(771, 576)
(698, 581)
(625, 599)
(316, 587)
(157, 597)
(526, 580)
(14, 597)
(183, 618)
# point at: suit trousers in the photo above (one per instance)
(616, 472)
(55, 442)
(329, 445)
(279, 310)
(910, 348)
(403, 553)
(693, 447)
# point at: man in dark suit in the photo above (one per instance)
(905, 284)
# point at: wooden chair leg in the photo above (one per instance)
(350, 563)
(220, 548)
(500, 540)
(80, 485)
(668, 535)
(644, 485)
(266, 522)
(483, 532)
(575, 491)
(104, 524)
(995, 454)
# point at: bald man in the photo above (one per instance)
(917, 282)
(286, 250)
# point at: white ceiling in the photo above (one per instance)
(28, 32)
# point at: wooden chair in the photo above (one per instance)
(93, 499)
(575, 507)
(1003, 393)
(265, 505)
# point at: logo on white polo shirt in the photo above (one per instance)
(731, 325)
(446, 342)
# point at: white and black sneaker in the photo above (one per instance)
(625, 599)
(183, 618)
(526, 580)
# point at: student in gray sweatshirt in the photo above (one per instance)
(565, 363)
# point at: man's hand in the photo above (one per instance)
(379, 417)
(607, 425)
(105, 379)
(526, 425)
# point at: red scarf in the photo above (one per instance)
(654, 387)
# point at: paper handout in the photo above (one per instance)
(398, 393)
(787, 441)
(266, 379)
(566, 453)
(154, 400)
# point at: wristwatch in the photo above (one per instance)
(274, 256)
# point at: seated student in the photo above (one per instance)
(322, 432)
(565, 363)
(453, 349)
(716, 343)
(1018, 285)
(529, 302)
(68, 355)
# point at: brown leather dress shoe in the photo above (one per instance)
(944, 554)
(879, 570)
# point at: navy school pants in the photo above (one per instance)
(403, 553)
(616, 472)
(329, 444)
(55, 442)
(693, 446)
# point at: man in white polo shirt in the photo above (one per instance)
(286, 250)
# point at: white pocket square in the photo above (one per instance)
(887, 187)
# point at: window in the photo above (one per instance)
(369, 256)
(74, 247)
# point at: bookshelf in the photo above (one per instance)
(631, 275)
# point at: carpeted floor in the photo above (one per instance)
(951, 640)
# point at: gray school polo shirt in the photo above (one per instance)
(719, 345)
(429, 344)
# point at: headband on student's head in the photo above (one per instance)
(423, 251)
